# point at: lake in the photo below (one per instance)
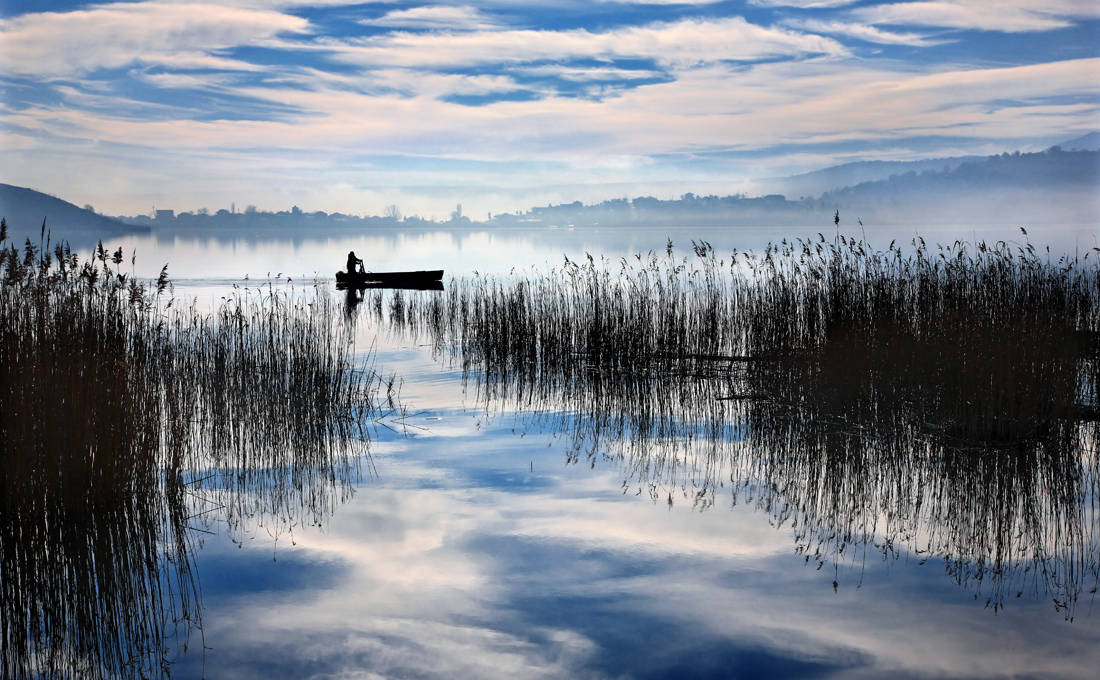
(509, 527)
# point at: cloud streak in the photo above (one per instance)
(715, 107)
(865, 32)
(439, 17)
(1012, 16)
(683, 43)
(70, 44)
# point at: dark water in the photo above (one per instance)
(535, 527)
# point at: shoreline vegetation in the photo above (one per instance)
(131, 425)
(940, 403)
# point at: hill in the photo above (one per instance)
(1089, 142)
(836, 177)
(24, 209)
(1053, 186)
(849, 174)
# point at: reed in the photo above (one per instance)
(129, 422)
(939, 402)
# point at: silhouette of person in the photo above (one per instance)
(352, 260)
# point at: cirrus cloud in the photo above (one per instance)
(1010, 16)
(69, 44)
(864, 32)
(445, 17)
(681, 43)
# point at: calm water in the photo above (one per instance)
(484, 539)
(462, 252)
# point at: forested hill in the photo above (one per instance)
(1050, 186)
(1050, 169)
(818, 182)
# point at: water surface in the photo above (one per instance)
(485, 538)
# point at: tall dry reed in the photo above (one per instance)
(128, 423)
(943, 399)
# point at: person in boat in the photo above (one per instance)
(352, 261)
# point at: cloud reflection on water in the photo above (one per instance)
(478, 552)
(473, 575)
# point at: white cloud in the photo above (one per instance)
(397, 102)
(706, 108)
(182, 81)
(134, 108)
(275, 4)
(440, 17)
(801, 103)
(586, 73)
(661, 2)
(709, 108)
(683, 43)
(68, 44)
(1009, 16)
(863, 32)
(196, 61)
(803, 4)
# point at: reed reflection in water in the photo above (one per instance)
(940, 403)
(129, 427)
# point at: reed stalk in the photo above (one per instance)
(128, 422)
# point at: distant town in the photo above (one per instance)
(1014, 184)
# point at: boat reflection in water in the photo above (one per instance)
(354, 294)
(877, 404)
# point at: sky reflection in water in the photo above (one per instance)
(478, 549)
(479, 553)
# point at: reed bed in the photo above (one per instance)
(937, 402)
(128, 423)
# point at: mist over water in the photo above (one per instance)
(232, 256)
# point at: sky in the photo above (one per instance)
(497, 105)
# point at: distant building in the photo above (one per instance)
(165, 215)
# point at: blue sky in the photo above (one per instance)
(350, 106)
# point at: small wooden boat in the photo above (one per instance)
(426, 280)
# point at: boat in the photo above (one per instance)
(425, 280)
